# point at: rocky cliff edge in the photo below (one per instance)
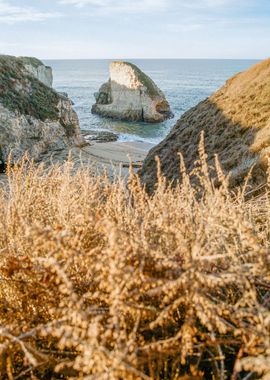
(33, 117)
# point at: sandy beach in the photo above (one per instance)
(114, 156)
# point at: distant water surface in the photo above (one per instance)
(184, 82)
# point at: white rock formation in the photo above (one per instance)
(37, 68)
(131, 95)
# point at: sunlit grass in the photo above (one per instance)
(100, 280)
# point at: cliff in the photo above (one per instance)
(38, 69)
(131, 95)
(236, 124)
(33, 117)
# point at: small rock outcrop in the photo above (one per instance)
(236, 125)
(33, 117)
(38, 69)
(99, 136)
(131, 95)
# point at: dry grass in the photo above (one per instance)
(100, 280)
(236, 123)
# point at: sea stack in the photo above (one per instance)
(236, 125)
(131, 95)
(33, 117)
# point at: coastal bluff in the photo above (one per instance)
(130, 95)
(236, 125)
(34, 118)
(37, 68)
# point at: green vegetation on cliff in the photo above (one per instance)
(30, 61)
(21, 92)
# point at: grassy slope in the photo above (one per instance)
(236, 123)
(30, 61)
(21, 92)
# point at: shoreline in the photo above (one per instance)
(115, 157)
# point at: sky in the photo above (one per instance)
(118, 29)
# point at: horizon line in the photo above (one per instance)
(148, 59)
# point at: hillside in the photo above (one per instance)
(22, 92)
(34, 118)
(236, 125)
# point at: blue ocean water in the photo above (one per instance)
(184, 82)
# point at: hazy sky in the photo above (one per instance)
(135, 28)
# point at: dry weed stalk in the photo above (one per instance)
(100, 280)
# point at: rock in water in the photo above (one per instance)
(33, 117)
(236, 124)
(38, 69)
(131, 95)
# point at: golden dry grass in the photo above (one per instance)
(236, 123)
(100, 280)
(245, 97)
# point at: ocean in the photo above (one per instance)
(184, 82)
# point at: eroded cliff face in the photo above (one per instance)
(37, 68)
(131, 95)
(33, 117)
(236, 125)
